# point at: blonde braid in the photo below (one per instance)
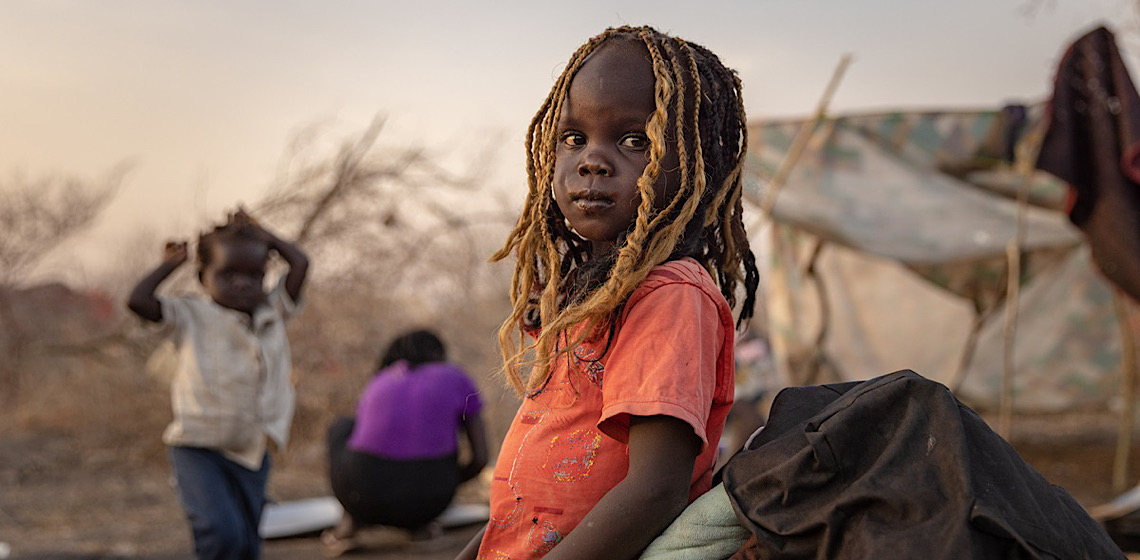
(655, 130)
(693, 183)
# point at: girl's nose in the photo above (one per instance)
(594, 163)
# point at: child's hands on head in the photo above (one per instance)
(175, 252)
(142, 300)
(298, 262)
(241, 219)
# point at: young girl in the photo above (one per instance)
(630, 250)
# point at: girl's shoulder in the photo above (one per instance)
(685, 271)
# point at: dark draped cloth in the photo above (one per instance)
(897, 467)
(1093, 144)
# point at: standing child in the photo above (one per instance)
(630, 250)
(231, 385)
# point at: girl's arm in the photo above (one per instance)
(662, 451)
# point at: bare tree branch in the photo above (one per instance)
(38, 215)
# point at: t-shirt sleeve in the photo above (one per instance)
(663, 361)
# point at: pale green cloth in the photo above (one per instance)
(706, 530)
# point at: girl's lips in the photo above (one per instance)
(592, 204)
(591, 200)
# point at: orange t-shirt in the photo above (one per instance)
(568, 444)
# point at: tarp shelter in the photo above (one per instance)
(887, 250)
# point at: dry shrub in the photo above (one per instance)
(395, 242)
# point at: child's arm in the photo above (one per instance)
(298, 263)
(662, 451)
(297, 260)
(477, 436)
(142, 300)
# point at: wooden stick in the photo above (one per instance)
(1012, 294)
(781, 313)
(969, 349)
(1125, 311)
(799, 142)
(1026, 157)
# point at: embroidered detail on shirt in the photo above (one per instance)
(494, 555)
(571, 456)
(534, 418)
(543, 536)
(587, 361)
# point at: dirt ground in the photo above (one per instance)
(59, 504)
(70, 500)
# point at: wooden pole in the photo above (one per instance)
(1012, 291)
(1025, 159)
(781, 313)
(968, 350)
(799, 142)
(1125, 312)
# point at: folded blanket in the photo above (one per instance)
(706, 530)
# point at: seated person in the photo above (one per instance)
(396, 463)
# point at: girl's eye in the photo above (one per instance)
(635, 141)
(573, 139)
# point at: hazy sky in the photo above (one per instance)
(201, 97)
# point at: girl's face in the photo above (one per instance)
(602, 145)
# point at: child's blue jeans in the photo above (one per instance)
(223, 502)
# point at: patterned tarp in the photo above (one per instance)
(915, 211)
(920, 188)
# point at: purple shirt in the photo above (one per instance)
(414, 413)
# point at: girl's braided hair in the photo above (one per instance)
(556, 285)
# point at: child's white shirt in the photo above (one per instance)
(231, 381)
